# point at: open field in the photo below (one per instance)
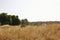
(30, 32)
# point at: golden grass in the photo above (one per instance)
(43, 32)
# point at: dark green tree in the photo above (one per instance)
(3, 18)
(14, 20)
(9, 19)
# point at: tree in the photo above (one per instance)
(24, 22)
(3, 18)
(15, 20)
(9, 19)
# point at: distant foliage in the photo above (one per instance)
(24, 22)
(12, 20)
(9, 19)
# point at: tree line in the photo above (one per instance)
(11, 20)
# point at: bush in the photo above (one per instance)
(24, 22)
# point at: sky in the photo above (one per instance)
(33, 10)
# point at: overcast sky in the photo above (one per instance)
(33, 10)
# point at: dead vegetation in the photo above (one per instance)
(42, 32)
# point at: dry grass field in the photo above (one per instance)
(42, 32)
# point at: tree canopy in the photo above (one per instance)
(12, 20)
(9, 19)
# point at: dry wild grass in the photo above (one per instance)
(43, 32)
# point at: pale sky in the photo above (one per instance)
(33, 10)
